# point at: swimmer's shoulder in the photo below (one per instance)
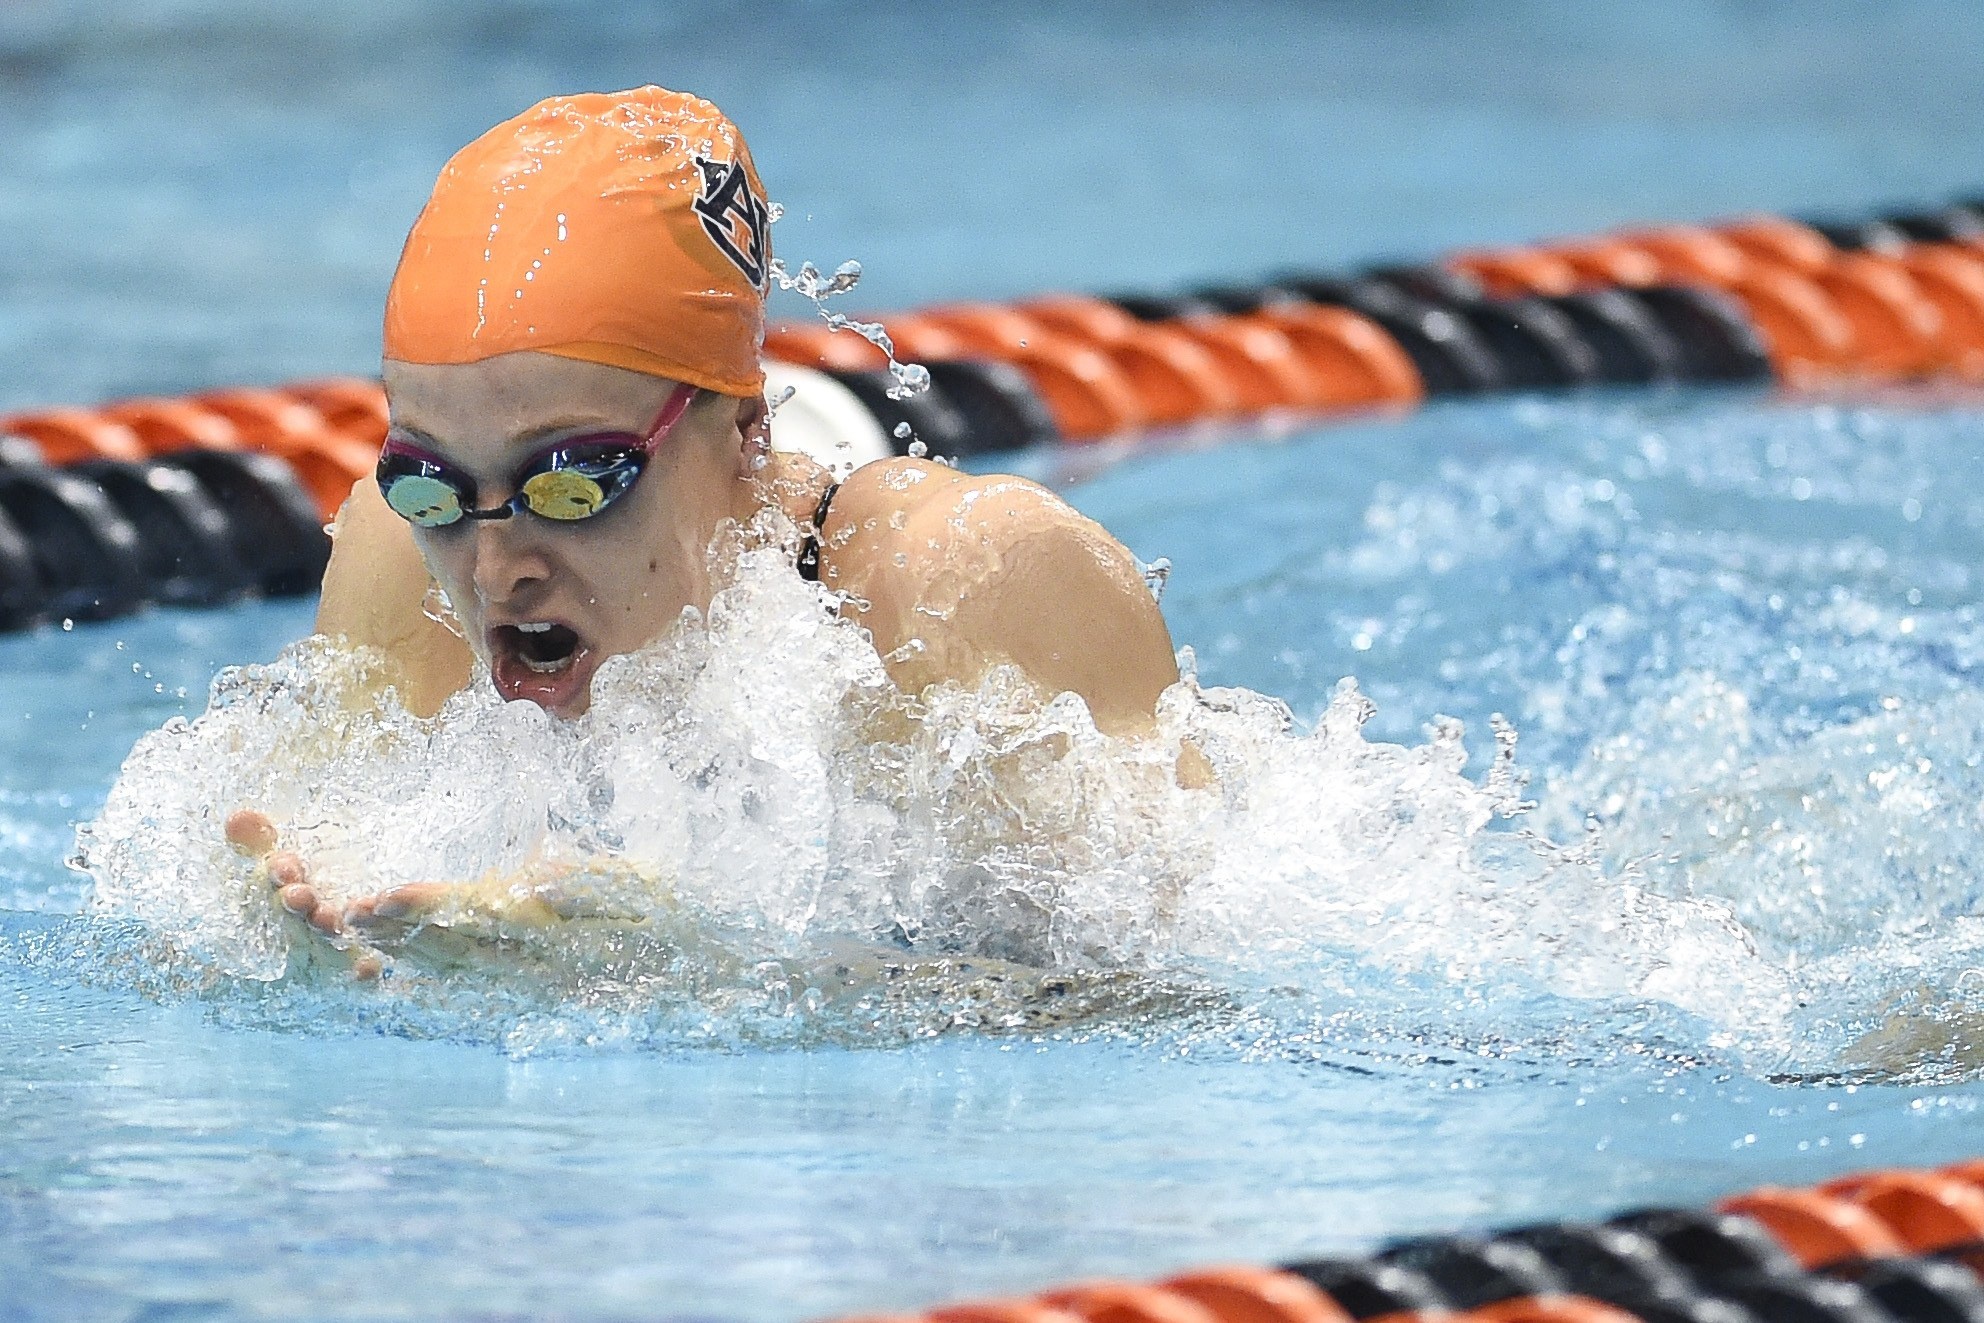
(955, 572)
(921, 509)
(897, 529)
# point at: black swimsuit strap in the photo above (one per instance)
(809, 548)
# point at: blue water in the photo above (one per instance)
(1738, 633)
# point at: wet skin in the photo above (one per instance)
(950, 574)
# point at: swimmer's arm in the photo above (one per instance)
(375, 595)
(999, 570)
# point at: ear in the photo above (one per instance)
(754, 434)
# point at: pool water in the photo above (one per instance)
(1736, 635)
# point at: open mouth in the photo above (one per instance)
(544, 648)
(545, 662)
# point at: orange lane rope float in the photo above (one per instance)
(1759, 298)
(1876, 1247)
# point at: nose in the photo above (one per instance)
(508, 559)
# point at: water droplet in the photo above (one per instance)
(911, 379)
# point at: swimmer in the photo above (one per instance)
(572, 364)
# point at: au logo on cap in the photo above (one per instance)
(735, 218)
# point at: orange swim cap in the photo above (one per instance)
(625, 228)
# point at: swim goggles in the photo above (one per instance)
(573, 479)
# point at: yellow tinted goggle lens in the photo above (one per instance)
(422, 500)
(563, 494)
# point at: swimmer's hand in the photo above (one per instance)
(252, 833)
(482, 909)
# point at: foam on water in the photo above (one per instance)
(1744, 644)
(754, 835)
(1740, 643)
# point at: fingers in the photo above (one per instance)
(248, 830)
(392, 909)
(405, 900)
(293, 889)
(251, 832)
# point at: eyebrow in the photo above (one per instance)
(533, 438)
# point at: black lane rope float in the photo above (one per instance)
(1894, 1246)
(203, 500)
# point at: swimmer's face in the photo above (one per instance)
(544, 601)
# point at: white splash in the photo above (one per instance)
(754, 834)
